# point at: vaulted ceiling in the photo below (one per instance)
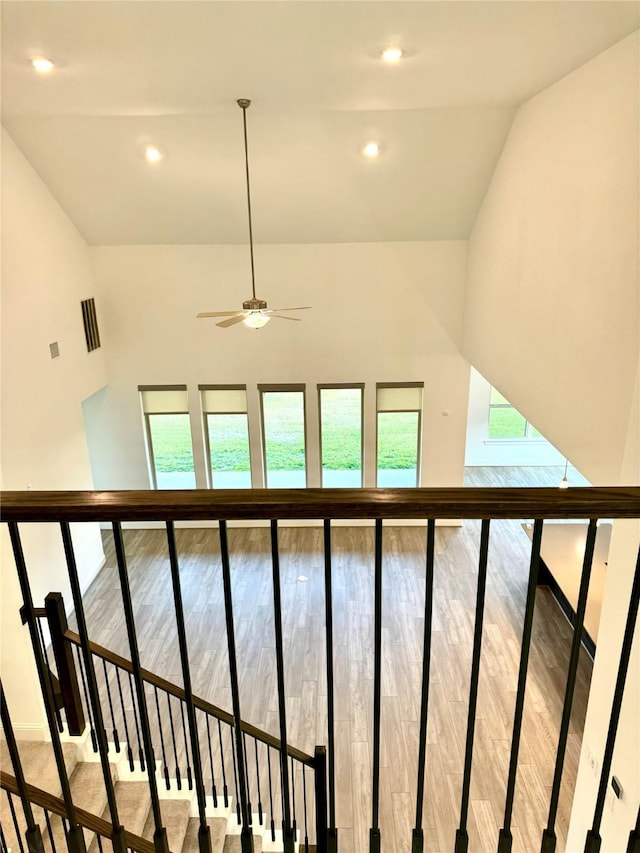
(169, 73)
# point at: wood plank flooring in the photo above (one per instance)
(402, 637)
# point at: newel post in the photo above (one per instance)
(320, 775)
(65, 663)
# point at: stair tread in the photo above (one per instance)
(87, 787)
(38, 763)
(218, 829)
(175, 818)
(133, 803)
(232, 844)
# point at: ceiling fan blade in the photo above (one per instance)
(304, 308)
(284, 317)
(218, 313)
(232, 321)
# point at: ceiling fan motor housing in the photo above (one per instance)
(254, 304)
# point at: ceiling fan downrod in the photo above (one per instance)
(244, 104)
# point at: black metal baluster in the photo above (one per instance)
(16, 825)
(213, 775)
(87, 703)
(374, 832)
(165, 768)
(249, 808)
(50, 830)
(332, 833)
(246, 837)
(99, 842)
(255, 743)
(273, 823)
(75, 838)
(173, 741)
(235, 783)
(462, 837)
(225, 790)
(3, 841)
(117, 836)
(47, 818)
(417, 841)
(124, 721)
(48, 663)
(186, 747)
(204, 836)
(549, 835)
(294, 824)
(114, 728)
(287, 829)
(33, 835)
(135, 721)
(160, 833)
(304, 802)
(505, 839)
(594, 842)
(634, 837)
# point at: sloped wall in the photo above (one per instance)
(552, 320)
(551, 306)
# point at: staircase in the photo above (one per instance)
(132, 795)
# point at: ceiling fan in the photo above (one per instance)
(255, 312)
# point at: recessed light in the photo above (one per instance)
(42, 65)
(371, 150)
(153, 154)
(392, 54)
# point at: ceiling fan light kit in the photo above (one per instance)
(255, 314)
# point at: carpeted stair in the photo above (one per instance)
(132, 797)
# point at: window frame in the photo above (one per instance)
(147, 426)
(328, 386)
(205, 427)
(419, 431)
(293, 387)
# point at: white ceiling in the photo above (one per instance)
(170, 72)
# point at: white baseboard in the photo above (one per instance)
(34, 732)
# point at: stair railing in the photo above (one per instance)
(328, 504)
(213, 755)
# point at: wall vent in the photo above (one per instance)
(90, 321)
(54, 349)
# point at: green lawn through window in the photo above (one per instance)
(173, 452)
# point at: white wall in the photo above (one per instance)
(619, 815)
(551, 309)
(381, 312)
(481, 450)
(46, 271)
(551, 319)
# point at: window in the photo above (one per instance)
(340, 409)
(506, 422)
(168, 433)
(226, 433)
(283, 436)
(398, 417)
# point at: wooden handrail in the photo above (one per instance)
(86, 819)
(242, 504)
(201, 704)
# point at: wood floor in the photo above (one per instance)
(403, 621)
